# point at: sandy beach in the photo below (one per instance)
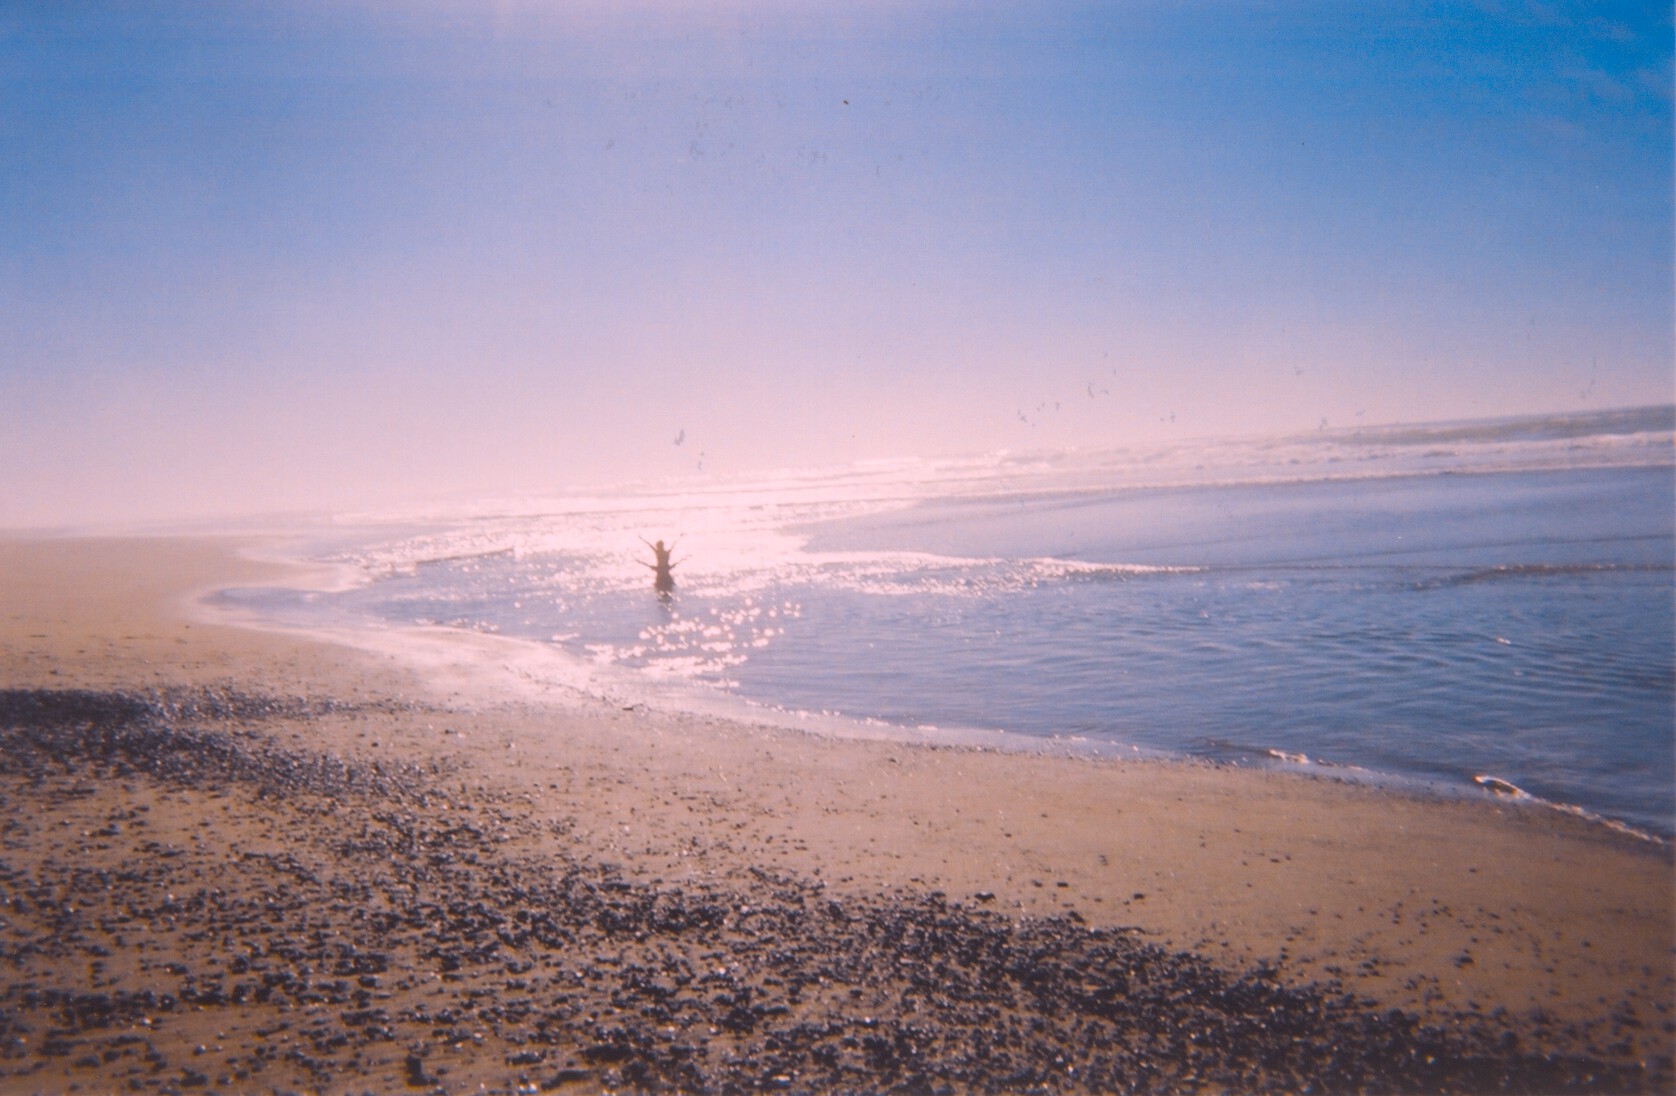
(244, 861)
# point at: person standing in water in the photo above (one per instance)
(663, 581)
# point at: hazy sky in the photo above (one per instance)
(314, 254)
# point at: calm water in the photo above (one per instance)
(1496, 600)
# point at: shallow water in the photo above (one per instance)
(1496, 600)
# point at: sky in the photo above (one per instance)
(325, 255)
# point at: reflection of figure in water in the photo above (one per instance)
(662, 581)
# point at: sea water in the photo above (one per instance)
(1437, 603)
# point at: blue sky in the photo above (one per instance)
(326, 254)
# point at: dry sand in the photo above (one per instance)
(304, 896)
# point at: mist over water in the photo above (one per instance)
(1429, 602)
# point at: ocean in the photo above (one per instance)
(1480, 608)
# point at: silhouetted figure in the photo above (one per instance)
(662, 579)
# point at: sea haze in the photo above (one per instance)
(1435, 603)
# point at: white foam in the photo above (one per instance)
(749, 521)
(1506, 789)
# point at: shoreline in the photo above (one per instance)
(1465, 916)
(488, 664)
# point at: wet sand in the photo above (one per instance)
(243, 861)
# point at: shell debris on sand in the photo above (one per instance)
(191, 904)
